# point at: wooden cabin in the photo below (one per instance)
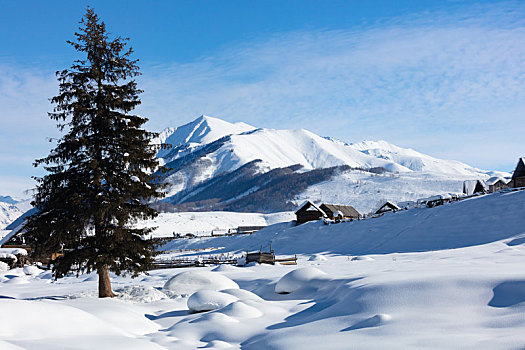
(497, 183)
(311, 212)
(518, 177)
(249, 229)
(336, 211)
(471, 187)
(387, 207)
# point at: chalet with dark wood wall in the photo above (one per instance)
(497, 183)
(311, 212)
(336, 211)
(387, 207)
(474, 186)
(308, 212)
(518, 177)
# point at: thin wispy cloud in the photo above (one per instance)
(439, 84)
(448, 84)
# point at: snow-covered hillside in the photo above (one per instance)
(413, 160)
(474, 221)
(366, 192)
(209, 148)
(11, 209)
(203, 223)
(449, 277)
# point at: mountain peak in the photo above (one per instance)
(203, 130)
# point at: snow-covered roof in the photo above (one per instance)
(310, 204)
(347, 210)
(472, 186)
(14, 251)
(7, 256)
(520, 168)
(13, 232)
(493, 180)
(387, 204)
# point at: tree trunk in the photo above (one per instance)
(104, 283)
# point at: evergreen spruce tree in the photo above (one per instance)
(101, 174)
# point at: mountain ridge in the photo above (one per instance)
(208, 147)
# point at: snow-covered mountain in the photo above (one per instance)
(215, 164)
(11, 208)
(201, 131)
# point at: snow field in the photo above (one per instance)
(443, 278)
(465, 223)
(475, 295)
(203, 223)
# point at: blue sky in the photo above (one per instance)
(446, 78)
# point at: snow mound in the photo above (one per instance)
(374, 321)
(241, 309)
(317, 257)
(17, 280)
(140, 293)
(189, 282)
(218, 344)
(207, 300)
(31, 270)
(48, 275)
(3, 266)
(242, 294)
(362, 258)
(228, 268)
(298, 279)
(92, 277)
(215, 317)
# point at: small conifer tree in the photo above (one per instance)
(102, 172)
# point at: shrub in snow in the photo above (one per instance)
(300, 278)
(189, 282)
(3, 266)
(31, 270)
(241, 261)
(140, 293)
(207, 300)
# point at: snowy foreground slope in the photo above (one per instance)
(449, 277)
